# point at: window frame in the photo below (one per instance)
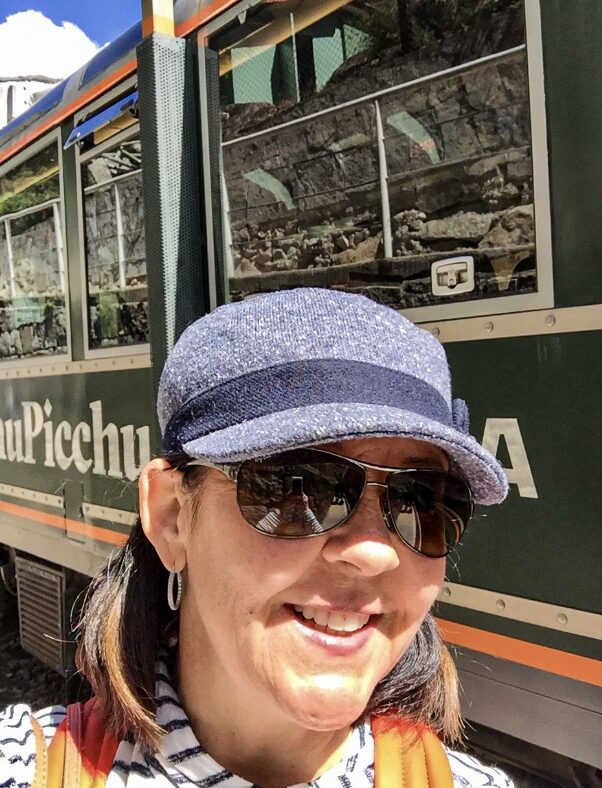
(80, 159)
(503, 304)
(43, 361)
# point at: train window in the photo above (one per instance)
(32, 270)
(114, 243)
(383, 147)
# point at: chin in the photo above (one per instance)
(325, 709)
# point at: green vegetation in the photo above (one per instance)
(30, 184)
(43, 190)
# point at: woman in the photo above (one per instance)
(274, 598)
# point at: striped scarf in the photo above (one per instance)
(182, 761)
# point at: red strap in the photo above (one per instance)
(97, 747)
(81, 753)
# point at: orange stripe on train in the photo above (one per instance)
(550, 660)
(64, 523)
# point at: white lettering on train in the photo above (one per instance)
(121, 451)
(63, 444)
(519, 472)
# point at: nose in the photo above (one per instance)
(363, 543)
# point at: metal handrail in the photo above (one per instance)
(25, 211)
(379, 93)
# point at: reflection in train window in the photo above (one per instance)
(32, 269)
(383, 147)
(115, 252)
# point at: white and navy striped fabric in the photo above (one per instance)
(181, 760)
(17, 742)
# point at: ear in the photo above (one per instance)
(160, 501)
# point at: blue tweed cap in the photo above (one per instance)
(304, 367)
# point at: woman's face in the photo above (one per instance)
(264, 615)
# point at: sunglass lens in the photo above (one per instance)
(298, 494)
(429, 510)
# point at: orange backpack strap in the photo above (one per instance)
(40, 778)
(408, 756)
(81, 752)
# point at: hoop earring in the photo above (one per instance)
(174, 603)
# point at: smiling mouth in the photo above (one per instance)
(331, 622)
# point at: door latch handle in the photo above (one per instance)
(452, 276)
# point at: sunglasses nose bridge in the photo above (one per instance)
(377, 493)
(382, 501)
(384, 506)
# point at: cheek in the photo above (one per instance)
(416, 587)
(233, 568)
(431, 573)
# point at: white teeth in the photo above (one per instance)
(321, 618)
(336, 621)
(340, 622)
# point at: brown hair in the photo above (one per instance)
(126, 621)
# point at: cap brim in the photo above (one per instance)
(317, 424)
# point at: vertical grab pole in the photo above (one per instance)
(60, 249)
(384, 185)
(10, 259)
(171, 182)
(120, 244)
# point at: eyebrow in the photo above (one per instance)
(417, 461)
(421, 461)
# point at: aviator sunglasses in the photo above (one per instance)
(308, 492)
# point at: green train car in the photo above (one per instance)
(440, 157)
